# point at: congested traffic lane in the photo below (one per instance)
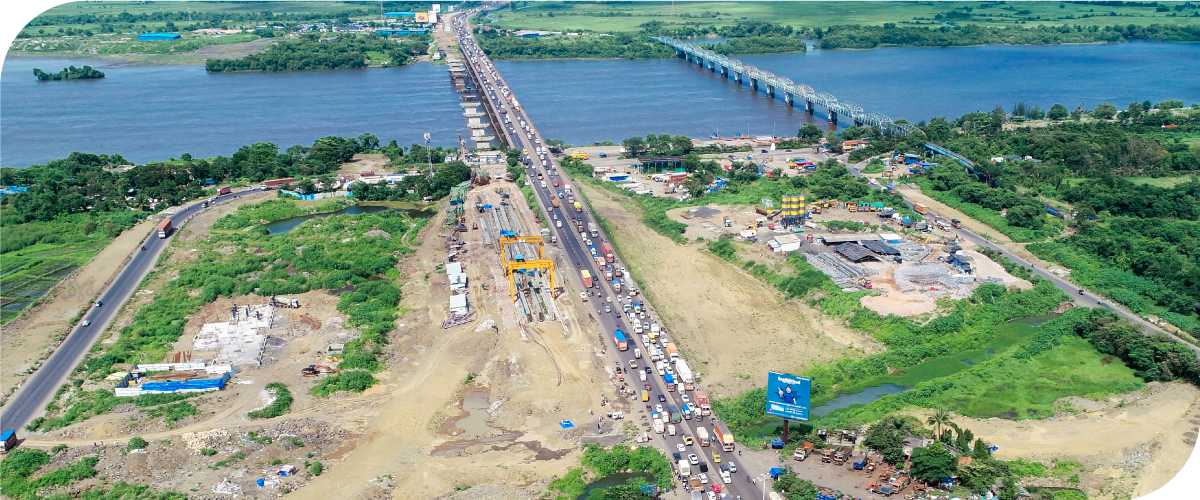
(578, 254)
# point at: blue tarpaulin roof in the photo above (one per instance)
(189, 385)
(566, 424)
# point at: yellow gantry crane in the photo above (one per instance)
(540, 263)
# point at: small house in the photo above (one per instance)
(288, 470)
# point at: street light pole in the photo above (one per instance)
(429, 154)
(763, 479)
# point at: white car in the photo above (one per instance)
(732, 467)
(693, 459)
(725, 478)
(87, 322)
(703, 478)
(685, 399)
(680, 447)
(658, 408)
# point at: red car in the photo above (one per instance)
(647, 387)
(716, 488)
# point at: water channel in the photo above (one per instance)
(617, 479)
(284, 225)
(160, 112)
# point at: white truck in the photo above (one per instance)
(671, 429)
(658, 426)
(685, 374)
(637, 353)
(685, 468)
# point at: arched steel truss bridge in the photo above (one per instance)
(776, 85)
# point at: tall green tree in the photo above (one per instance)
(932, 463)
(808, 133)
(1058, 112)
(939, 418)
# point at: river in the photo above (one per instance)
(159, 112)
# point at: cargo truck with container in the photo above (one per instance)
(594, 229)
(723, 436)
(671, 429)
(609, 254)
(578, 207)
(587, 278)
(702, 403)
(164, 228)
(672, 352)
(224, 191)
(676, 415)
(659, 427)
(685, 468)
(620, 340)
(687, 412)
(685, 375)
(554, 201)
(702, 435)
(670, 381)
(8, 441)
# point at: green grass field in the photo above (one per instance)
(603, 17)
(28, 273)
(1162, 182)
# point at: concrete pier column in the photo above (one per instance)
(754, 83)
(832, 116)
(712, 67)
(724, 71)
(808, 107)
(737, 77)
(770, 91)
(857, 123)
(787, 98)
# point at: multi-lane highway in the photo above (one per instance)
(30, 400)
(521, 134)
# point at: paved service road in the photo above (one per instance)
(31, 399)
(578, 254)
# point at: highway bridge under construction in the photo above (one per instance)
(775, 85)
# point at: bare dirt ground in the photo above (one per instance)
(232, 50)
(25, 340)
(1132, 448)
(708, 303)
(363, 162)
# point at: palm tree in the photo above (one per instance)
(939, 418)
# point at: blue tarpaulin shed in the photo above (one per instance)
(158, 36)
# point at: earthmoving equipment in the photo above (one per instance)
(827, 455)
(802, 452)
(314, 370)
(284, 302)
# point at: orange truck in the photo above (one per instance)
(702, 403)
(672, 352)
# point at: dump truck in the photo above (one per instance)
(685, 375)
(841, 455)
(721, 432)
(861, 462)
(554, 201)
(702, 435)
(702, 403)
(803, 451)
(696, 484)
(164, 228)
(607, 250)
(827, 455)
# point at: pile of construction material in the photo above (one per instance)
(911, 251)
(843, 273)
(936, 280)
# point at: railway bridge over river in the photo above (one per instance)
(775, 85)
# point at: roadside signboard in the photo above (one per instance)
(787, 396)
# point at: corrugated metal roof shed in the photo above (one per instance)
(854, 252)
(158, 36)
(843, 238)
(880, 247)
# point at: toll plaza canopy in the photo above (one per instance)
(854, 252)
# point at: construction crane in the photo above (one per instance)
(463, 152)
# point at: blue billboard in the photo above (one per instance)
(787, 396)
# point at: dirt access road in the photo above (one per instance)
(731, 323)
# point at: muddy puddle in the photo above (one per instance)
(475, 427)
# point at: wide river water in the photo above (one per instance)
(159, 112)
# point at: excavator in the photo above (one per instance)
(314, 370)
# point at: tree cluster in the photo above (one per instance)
(69, 73)
(311, 52)
(657, 145)
(891, 35)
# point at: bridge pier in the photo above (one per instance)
(832, 116)
(787, 98)
(770, 91)
(724, 71)
(808, 107)
(680, 53)
(712, 67)
(737, 77)
(754, 83)
(857, 123)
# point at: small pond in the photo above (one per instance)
(284, 225)
(614, 480)
(863, 397)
